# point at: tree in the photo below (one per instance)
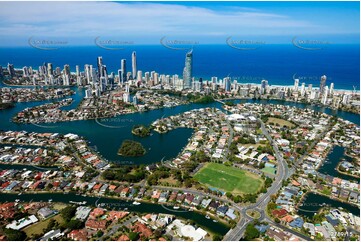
(133, 236)
(237, 199)
(14, 235)
(229, 195)
(251, 232)
(68, 212)
(99, 233)
(217, 237)
(74, 224)
(51, 225)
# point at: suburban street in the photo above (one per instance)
(261, 204)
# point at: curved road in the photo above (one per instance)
(261, 205)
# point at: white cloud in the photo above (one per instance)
(76, 19)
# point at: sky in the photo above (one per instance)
(79, 23)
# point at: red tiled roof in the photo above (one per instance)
(279, 213)
(80, 235)
(123, 237)
(144, 231)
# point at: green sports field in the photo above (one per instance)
(228, 178)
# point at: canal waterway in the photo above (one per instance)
(313, 202)
(329, 166)
(117, 204)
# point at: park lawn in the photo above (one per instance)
(228, 178)
(59, 206)
(281, 122)
(40, 226)
(170, 180)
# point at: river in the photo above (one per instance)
(117, 204)
(329, 167)
(313, 202)
(106, 135)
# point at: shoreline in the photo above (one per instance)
(124, 199)
(137, 111)
(337, 90)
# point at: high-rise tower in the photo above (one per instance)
(134, 65)
(123, 69)
(187, 72)
(322, 83)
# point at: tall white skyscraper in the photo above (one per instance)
(123, 68)
(214, 79)
(187, 72)
(331, 88)
(139, 76)
(345, 99)
(134, 65)
(77, 70)
(324, 95)
(50, 69)
(309, 87)
(146, 77)
(264, 85)
(303, 89)
(87, 73)
(322, 83)
(295, 87)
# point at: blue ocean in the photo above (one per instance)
(278, 64)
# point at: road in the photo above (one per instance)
(313, 144)
(283, 172)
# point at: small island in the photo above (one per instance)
(200, 99)
(131, 148)
(141, 130)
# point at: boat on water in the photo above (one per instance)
(136, 203)
(17, 200)
(175, 207)
(50, 200)
(215, 221)
(207, 217)
(78, 203)
(19, 194)
(125, 209)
